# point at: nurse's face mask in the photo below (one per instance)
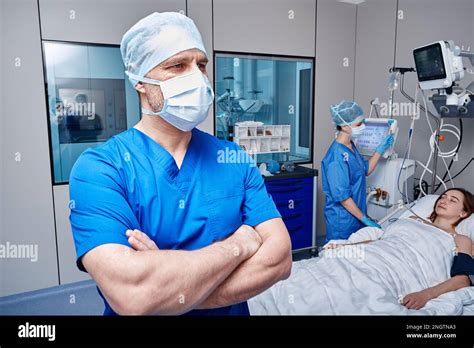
(186, 99)
(355, 131)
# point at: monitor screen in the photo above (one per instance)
(372, 136)
(430, 63)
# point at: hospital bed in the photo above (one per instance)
(342, 286)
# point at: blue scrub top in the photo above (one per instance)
(131, 182)
(344, 171)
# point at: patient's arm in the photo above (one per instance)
(417, 300)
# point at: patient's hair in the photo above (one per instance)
(468, 205)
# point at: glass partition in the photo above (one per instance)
(89, 99)
(265, 104)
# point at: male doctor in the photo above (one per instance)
(214, 234)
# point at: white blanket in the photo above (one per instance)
(368, 278)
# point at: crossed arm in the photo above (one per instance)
(154, 281)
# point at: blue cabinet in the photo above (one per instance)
(294, 198)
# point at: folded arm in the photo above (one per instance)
(271, 263)
(165, 281)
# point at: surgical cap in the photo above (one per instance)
(346, 112)
(156, 38)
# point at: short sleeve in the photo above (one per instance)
(258, 205)
(338, 180)
(100, 213)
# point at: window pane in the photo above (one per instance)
(275, 92)
(89, 97)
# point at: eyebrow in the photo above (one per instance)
(174, 60)
(182, 58)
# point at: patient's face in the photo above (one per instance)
(451, 205)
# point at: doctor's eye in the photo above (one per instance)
(176, 66)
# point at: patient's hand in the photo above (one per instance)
(140, 241)
(416, 300)
(333, 246)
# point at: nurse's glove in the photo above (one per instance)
(247, 239)
(385, 144)
(369, 222)
(140, 241)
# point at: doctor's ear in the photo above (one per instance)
(140, 87)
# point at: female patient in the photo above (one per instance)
(453, 206)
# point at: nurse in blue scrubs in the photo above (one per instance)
(344, 171)
(218, 235)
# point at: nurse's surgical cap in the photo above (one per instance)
(346, 113)
(156, 38)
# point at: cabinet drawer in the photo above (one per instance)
(300, 229)
(282, 190)
(301, 235)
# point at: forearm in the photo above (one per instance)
(270, 264)
(373, 162)
(251, 278)
(176, 281)
(451, 284)
(352, 208)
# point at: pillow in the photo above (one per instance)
(424, 207)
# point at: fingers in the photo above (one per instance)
(140, 241)
(405, 300)
(412, 302)
(333, 246)
(137, 245)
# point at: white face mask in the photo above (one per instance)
(187, 99)
(357, 131)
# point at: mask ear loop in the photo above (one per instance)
(347, 124)
(143, 79)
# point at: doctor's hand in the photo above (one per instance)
(416, 300)
(140, 241)
(247, 239)
(385, 144)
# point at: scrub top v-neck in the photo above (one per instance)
(132, 182)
